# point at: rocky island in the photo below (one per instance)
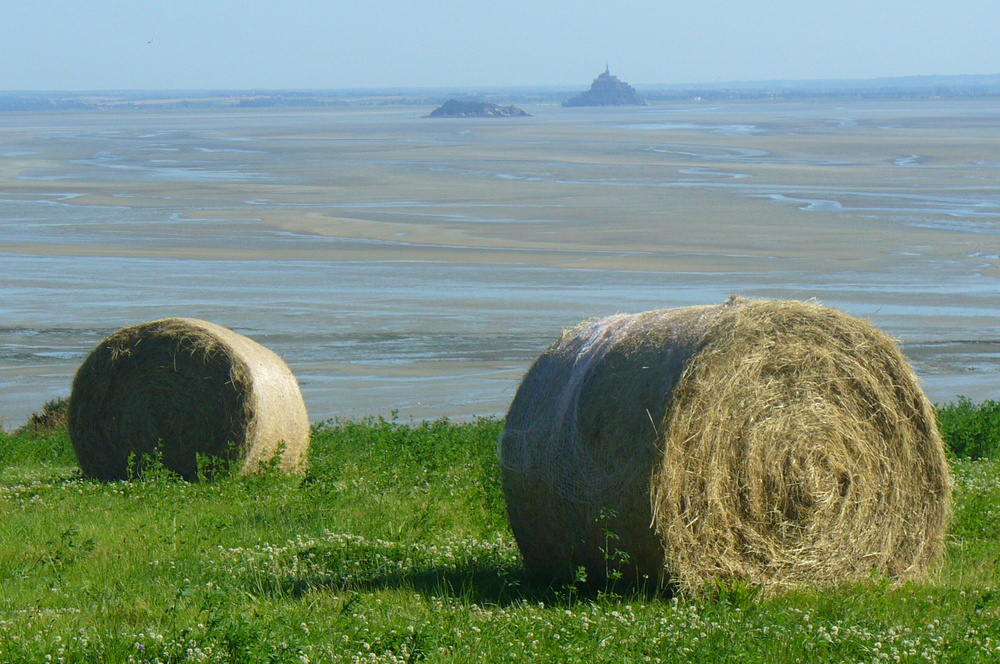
(607, 90)
(454, 108)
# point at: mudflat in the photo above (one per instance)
(400, 263)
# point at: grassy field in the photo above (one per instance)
(395, 548)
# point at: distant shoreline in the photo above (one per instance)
(908, 87)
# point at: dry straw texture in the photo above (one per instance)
(777, 443)
(180, 387)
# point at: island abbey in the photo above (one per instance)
(607, 90)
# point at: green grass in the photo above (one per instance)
(395, 548)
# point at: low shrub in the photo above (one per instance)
(971, 431)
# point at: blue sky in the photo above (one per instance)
(334, 44)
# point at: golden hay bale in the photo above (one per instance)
(180, 387)
(769, 442)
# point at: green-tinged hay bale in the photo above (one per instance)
(178, 388)
(768, 442)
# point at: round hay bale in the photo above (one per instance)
(769, 442)
(178, 388)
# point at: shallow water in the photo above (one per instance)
(419, 266)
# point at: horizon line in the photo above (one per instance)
(480, 87)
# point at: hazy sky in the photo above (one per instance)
(239, 44)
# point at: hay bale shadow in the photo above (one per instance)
(482, 585)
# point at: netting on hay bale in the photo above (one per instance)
(772, 442)
(179, 387)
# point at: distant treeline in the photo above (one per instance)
(37, 103)
(172, 100)
(904, 87)
(723, 94)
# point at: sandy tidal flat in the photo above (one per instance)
(405, 264)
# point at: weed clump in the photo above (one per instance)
(51, 419)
